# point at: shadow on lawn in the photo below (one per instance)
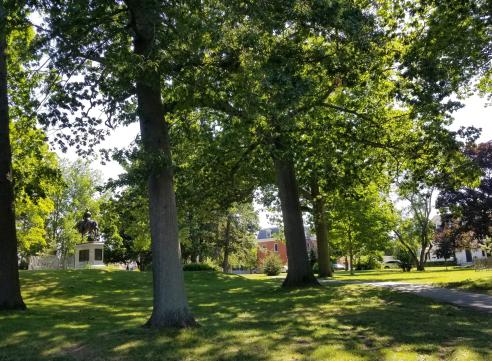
(241, 320)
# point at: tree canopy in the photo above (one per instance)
(468, 206)
(326, 103)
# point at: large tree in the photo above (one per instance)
(126, 54)
(133, 60)
(35, 167)
(295, 60)
(415, 230)
(10, 296)
(361, 220)
(470, 207)
(432, 158)
(170, 303)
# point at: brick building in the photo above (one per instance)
(271, 240)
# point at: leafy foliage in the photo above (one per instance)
(470, 206)
(76, 193)
(125, 226)
(198, 267)
(35, 167)
(448, 237)
(406, 259)
(361, 222)
(366, 262)
(272, 264)
(332, 92)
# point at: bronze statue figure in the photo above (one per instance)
(88, 227)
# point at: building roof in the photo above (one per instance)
(267, 233)
(271, 232)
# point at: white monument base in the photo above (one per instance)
(89, 255)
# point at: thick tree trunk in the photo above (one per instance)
(10, 296)
(299, 271)
(225, 262)
(324, 262)
(170, 305)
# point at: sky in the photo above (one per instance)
(477, 114)
(474, 113)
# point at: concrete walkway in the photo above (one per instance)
(480, 302)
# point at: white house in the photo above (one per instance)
(464, 256)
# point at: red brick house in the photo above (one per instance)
(270, 240)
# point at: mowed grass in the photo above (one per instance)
(454, 277)
(98, 314)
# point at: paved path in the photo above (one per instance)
(477, 301)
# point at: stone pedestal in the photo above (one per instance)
(89, 254)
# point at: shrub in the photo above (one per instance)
(405, 258)
(198, 267)
(367, 262)
(450, 262)
(272, 265)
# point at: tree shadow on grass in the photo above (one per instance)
(94, 315)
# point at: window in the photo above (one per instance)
(275, 247)
(98, 254)
(84, 255)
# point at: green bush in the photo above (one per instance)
(198, 267)
(405, 258)
(368, 262)
(272, 265)
(449, 262)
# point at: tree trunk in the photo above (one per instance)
(225, 263)
(324, 262)
(299, 271)
(351, 256)
(10, 296)
(408, 248)
(423, 253)
(421, 261)
(351, 253)
(170, 305)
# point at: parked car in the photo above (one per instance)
(392, 264)
(338, 266)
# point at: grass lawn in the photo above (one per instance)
(466, 279)
(97, 315)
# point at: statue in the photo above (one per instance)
(88, 227)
